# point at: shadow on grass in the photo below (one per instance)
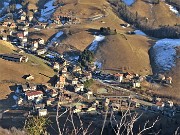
(53, 80)
(93, 31)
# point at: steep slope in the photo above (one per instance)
(12, 72)
(117, 53)
(6, 47)
(158, 14)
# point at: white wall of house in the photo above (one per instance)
(41, 41)
(30, 18)
(36, 45)
(23, 18)
(4, 38)
(120, 78)
(34, 96)
(24, 39)
(77, 89)
(25, 33)
(74, 82)
(42, 112)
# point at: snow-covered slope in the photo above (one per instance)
(173, 9)
(139, 32)
(18, 6)
(55, 39)
(164, 53)
(129, 2)
(94, 45)
(5, 6)
(47, 12)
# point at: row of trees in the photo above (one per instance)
(143, 23)
(128, 123)
(107, 31)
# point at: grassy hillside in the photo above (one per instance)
(117, 53)
(12, 72)
(158, 14)
(6, 47)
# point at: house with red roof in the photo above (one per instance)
(31, 95)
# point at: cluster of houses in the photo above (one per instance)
(17, 34)
(71, 76)
(69, 84)
(65, 18)
(129, 79)
(15, 29)
(165, 107)
(160, 78)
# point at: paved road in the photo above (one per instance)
(132, 93)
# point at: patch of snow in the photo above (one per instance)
(2, 18)
(47, 11)
(37, 29)
(17, 90)
(128, 2)
(5, 6)
(98, 64)
(139, 32)
(15, 97)
(18, 6)
(173, 9)
(123, 27)
(73, 58)
(55, 39)
(60, 33)
(94, 44)
(164, 53)
(50, 56)
(14, 106)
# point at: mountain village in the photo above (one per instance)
(69, 88)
